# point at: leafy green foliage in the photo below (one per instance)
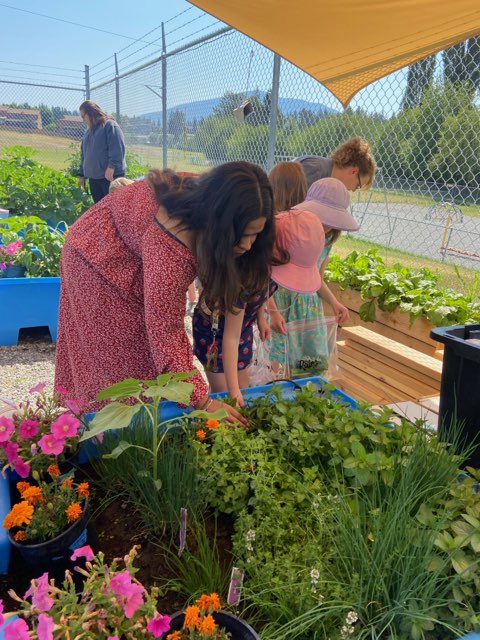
(30, 188)
(399, 287)
(42, 245)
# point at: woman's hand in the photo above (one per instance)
(81, 182)
(210, 405)
(277, 322)
(341, 312)
(109, 173)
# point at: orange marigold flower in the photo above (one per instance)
(53, 470)
(67, 483)
(83, 489)
(213, 424)
(207, 626)
(209, 602)
(175, 635)
(201, 434)
(192, 617)
(33, 495)
(20, 514)
(19, 536)
(21, 486)
(215, 602)
(73, 511)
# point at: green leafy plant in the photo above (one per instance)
(30, 188)
(38, 246)
(399, 287)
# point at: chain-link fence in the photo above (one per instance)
(423, 124)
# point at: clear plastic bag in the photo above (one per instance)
(260, 371)
(310, 349)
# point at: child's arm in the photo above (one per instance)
(277, 321)
(231, 340)
(341, 312)
(262, 322)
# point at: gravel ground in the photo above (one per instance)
(32, 361)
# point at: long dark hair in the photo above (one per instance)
(96, 114)
(218, 205)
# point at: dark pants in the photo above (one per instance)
(99, 188)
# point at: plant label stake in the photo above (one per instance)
(212, 351)
(183, 530)
(235, 588)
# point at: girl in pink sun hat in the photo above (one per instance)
(329, 200)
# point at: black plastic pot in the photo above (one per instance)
(238, 629)
(53, 555)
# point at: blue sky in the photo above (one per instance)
(28, 40)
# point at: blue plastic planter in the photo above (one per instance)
(27, 303)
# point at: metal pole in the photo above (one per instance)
(117, 91)
(272, 129)
(87, 82)
(164, 99)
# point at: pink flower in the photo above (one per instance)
(45, 627)
(113, 638)
(65, 426)
(38, 388)
(28, 428)
(51, 445)
(17, 630)
(22, 468)
(74, 406)
(158, 625)
(2, 619)
(3, 266)
(11, 450)
(134, 600)
(83, 552)
(13, 247)
(7, 427)
(61, 390)
(39, 592)
(121, 583)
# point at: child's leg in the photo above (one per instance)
(192, 293)
(217, 381)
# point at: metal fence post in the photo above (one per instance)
(87, 82)
(117, 91)
(272, 129)
(164, 99)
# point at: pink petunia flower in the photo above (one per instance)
(113, 638)
(3, 266)
(22, 468)
(39, 591)
(65, 426)
(159, 624)
(13, 247)
(28, 428)
(134, 600)
(2, 619)
(7, 427)
(61, 390)
(83, 552)
(17, 630)
(121, 583)
(51, 445)
(11, 451)
(45, 627)
(38, 388)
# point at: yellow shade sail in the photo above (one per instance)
(347, 44)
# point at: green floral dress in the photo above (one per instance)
(304, 351)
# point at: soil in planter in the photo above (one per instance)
(117, 532)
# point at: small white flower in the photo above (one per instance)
(249, 560)
(249, 546)
(314, 576)
(251, 535)
(352, 617)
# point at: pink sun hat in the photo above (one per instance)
(329, 199)
(301, 234)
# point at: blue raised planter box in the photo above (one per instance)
(27, 303)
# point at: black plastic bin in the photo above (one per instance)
(460, 387)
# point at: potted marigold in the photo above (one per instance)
(113, 604)
(37, 432)
(205, 620)
(50, 520)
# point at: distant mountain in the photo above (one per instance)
(203, 108)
